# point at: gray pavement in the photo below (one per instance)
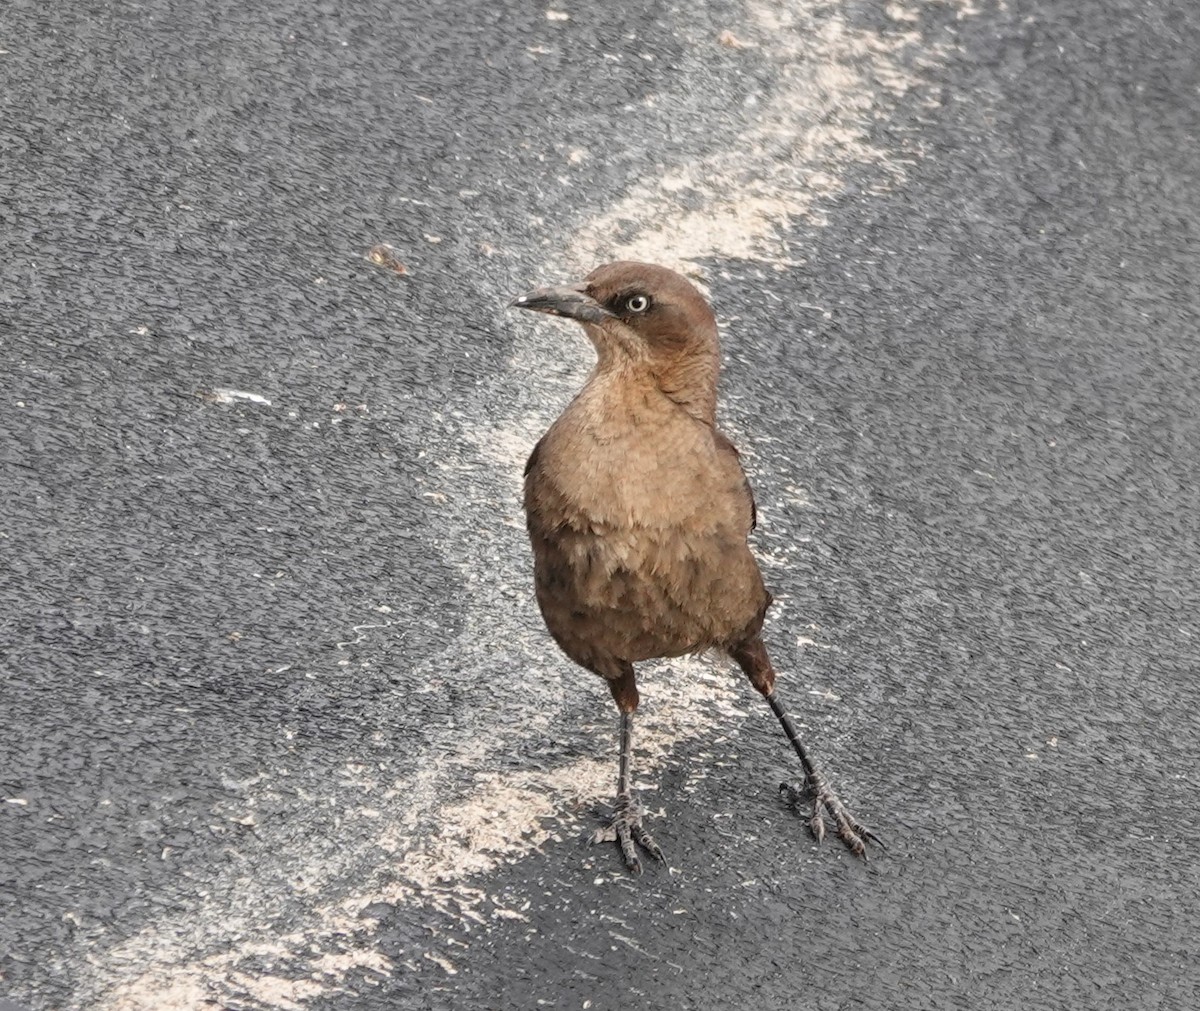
(282, 729)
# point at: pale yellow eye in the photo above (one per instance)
(638, 303)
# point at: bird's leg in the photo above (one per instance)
(752, 657)
(816, 791)
(625, 826)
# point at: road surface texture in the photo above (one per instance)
(281, 726)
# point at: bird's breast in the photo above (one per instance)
(638, 519)
(656, 471)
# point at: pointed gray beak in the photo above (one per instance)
(569, 300)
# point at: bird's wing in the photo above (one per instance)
(533, 456)
(729, 449)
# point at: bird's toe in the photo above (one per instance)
(817, 793)
(625, 829)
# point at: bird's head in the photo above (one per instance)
(647, 317)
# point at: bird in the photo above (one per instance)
(639, 514)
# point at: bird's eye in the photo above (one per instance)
(639, 303)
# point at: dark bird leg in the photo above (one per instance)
(625, 827)
(752, 657)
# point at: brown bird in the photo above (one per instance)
(638, 513)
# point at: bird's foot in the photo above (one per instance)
(625, 828)
(817, 792)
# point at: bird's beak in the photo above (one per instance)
(569, 300)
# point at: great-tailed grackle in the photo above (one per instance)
(638, 512)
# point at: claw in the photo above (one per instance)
(626, 830)
(816, 792)
(646, 841)
(816, 824)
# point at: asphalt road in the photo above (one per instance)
(281, 728)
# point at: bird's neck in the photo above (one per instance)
(689, 382)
